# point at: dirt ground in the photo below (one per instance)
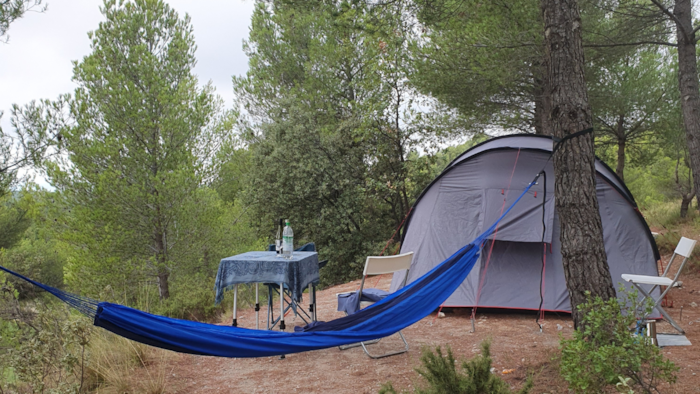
(518, 349)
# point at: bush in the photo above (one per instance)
(36, 259)
(44, 347)
(441, 375)
(604, 352)
(191, 298)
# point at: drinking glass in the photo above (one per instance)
(278, 247)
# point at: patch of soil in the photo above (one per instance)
(518, 349)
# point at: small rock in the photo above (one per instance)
(559, 327)
(693, 304)
(441, 314)
(493, 369)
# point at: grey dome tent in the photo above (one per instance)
(470, 194)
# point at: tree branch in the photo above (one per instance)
(674, 18)
(695, 31)
(670, 44)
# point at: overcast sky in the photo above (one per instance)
(36, 62)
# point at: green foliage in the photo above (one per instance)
(37, 259)
(604, 352)
(486, 59)
(44, 346)
(35, 254)
(492, 71)
(12, 10)
(440, 375)
(631, 100)
(13, 219)
(232, 176)
(192, 299)
(333, 126)
(133, 207)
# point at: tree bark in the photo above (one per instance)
(583, 251)
(688, 84)
(620, 170)
(685, 203)
(686, 198)
(163, 285)
(160, 255)
(543, 101)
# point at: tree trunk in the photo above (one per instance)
(161, 257)
(542, 100)
(688, 84)
(686, 198)
(620, 170)
(583, 251)
(540, 114)
(685, 202)
(163, 285)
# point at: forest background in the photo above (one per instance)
(349, 109)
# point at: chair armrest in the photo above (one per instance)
(648, 280)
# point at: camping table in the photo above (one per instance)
(267, 267)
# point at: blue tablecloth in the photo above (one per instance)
(266, 267)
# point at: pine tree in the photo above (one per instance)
(138, 153)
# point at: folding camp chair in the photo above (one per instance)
(350, 302)
(685, 249)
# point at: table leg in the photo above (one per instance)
(315, 305)
(282, 327)
(312, 301)
(257, 308)
(270, 314)
(235, 305)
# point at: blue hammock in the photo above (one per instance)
(399, 310)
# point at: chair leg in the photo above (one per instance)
(387, 354)
(661, 310)
(352, 345)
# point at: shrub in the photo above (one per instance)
(604, 352)
(441, 375)
(45, 347)
(36, 259)
(191, 298)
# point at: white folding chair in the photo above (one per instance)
(378, 265)
(685, 249)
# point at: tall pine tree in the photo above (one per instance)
(138, 152)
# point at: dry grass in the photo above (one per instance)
(122, 366)
(666, 216)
